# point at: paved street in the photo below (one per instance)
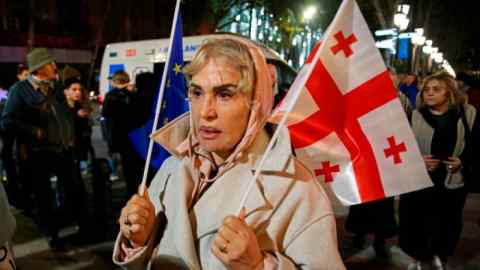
(32, 250)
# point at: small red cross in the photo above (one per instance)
(343, 44)
(327, 170)
(395, 150)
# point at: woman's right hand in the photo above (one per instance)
(431, 163)
(137, 219)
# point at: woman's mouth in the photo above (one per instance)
(208, 133)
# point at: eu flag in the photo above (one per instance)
(174, 101)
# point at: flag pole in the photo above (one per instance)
(143, 185)
(276, 134)
(283, 120)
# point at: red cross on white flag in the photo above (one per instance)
(346, 121)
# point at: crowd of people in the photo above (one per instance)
(40, 122)
(183, 220)
(443, 117)
(46, 129)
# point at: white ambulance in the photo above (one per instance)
(150, 55)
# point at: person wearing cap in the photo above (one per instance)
(41, 121)
(118, 109)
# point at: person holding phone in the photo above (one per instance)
(431, 219)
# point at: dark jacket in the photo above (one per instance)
(27, 110)
(117, 111)
(83, 132)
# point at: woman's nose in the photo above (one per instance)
(208, 108)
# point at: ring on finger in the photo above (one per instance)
(223, 248)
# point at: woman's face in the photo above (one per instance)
(220, 111)
(435, 94)
(23, 75)
(74, 92)
(409, 79)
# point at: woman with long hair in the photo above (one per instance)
(431, 219)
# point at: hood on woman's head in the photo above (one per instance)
(249, 60)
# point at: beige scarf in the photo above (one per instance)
(203, 162)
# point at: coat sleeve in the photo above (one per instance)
(469, 157)
(142, 258)
(314, 248)
(8, 221)
(108, 110)
(11, 120)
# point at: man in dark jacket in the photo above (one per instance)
(17, 196)
(118, 108)
(44, 125)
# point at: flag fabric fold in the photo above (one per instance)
(174, 101)
(346, 121)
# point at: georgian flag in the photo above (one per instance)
(346, 121)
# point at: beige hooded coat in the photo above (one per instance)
(288, 210)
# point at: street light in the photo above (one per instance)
(308, 13)
(430, 51)
(438, 57)
(418, 37)
(401, 21)
(427, 49)
(417, 40)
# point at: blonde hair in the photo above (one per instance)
(455, 98)
(234, 52)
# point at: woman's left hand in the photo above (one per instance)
(453, 164)
(236, 245)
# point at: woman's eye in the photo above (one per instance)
(195, 92)
(225, 94)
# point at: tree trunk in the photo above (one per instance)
(426, 19)
(31, 25)
(98, 44)
(379, 13)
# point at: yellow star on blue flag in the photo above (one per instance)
(177, 69)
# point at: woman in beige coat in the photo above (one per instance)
(187, 219)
